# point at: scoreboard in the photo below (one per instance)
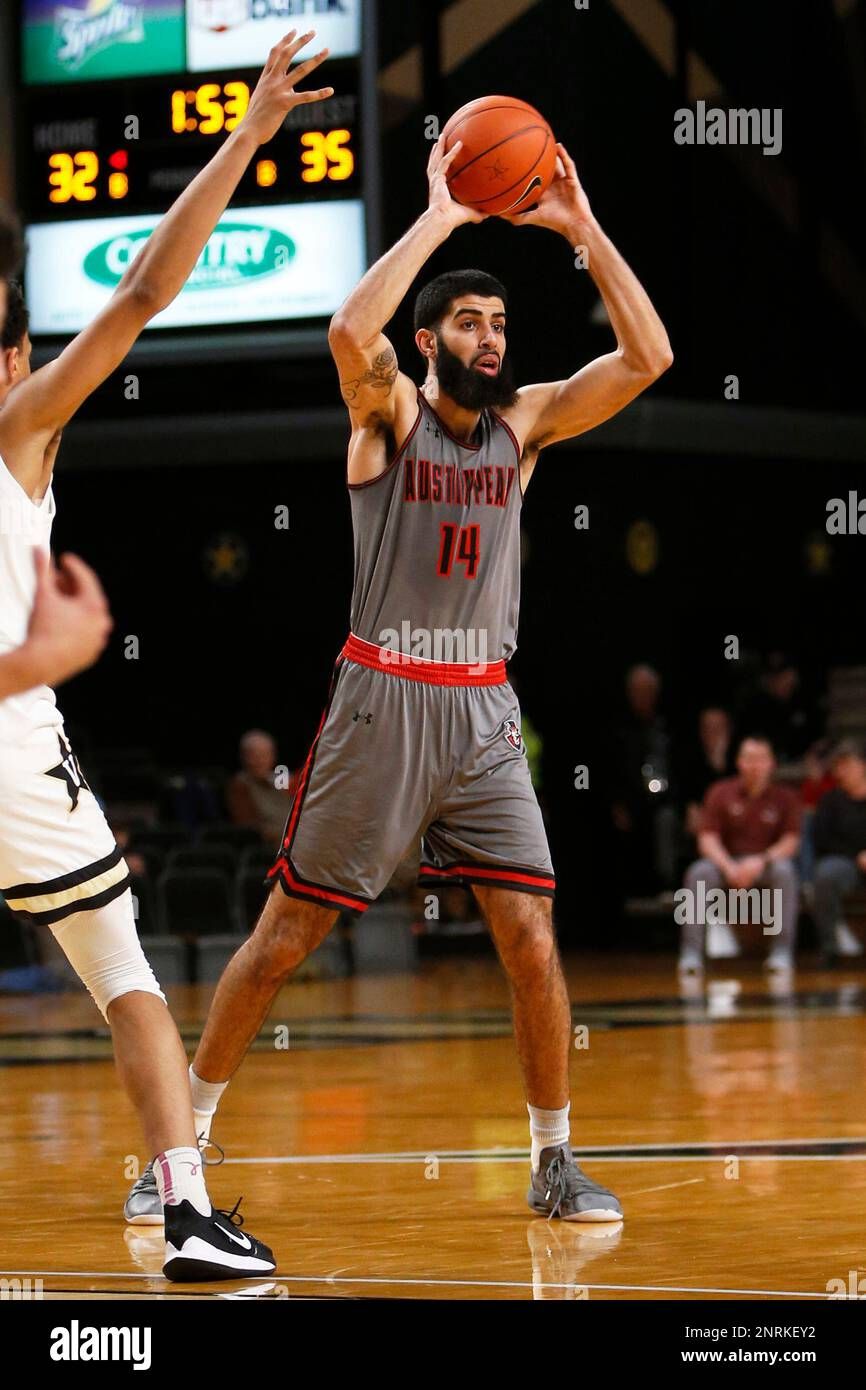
(124, 101)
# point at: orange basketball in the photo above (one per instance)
(508, 156)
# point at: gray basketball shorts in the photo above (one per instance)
(397, 760)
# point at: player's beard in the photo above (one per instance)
(469, 387)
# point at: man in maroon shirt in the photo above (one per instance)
(748, 837)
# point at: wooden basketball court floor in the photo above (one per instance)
(378, 1135)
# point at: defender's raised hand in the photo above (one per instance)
(441, 200)
(275, 93)
(563, 203)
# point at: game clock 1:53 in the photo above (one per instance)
(133, 146)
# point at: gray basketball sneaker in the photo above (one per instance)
(559, 1188)
(143, 1207)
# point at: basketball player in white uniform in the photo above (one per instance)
(421, 747)
(59, 863)
(69, 623)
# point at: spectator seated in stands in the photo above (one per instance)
(817, 780)
(711, 759)
(839, 837)
(748, 838)
(640, 793)
(707, 761)
(256, 795)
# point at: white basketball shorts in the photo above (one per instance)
(57, 853)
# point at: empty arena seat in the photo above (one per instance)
(169, 959)
(195, 902)
(250, 894)
(154, 860)
(212, 955)
(163, 837)
(222, 857)
(224, 833)
(257, 858)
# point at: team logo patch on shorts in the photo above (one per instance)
(511, 730)
(68, 771)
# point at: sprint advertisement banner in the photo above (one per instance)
(239, 33)
(260, 265)
(82, 39)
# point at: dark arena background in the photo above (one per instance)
(700, 551)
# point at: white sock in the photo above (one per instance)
(179, 1176)
(205, 1099)
(546, 1128)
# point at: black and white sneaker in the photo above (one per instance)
(211, 1247)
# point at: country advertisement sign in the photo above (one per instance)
(239, 33)
(76, 40)
(260, 264)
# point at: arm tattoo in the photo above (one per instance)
(380, 377)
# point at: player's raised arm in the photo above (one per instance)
(562, 409)
(47, 400)
(370, 379)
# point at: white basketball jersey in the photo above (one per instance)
(24, 526)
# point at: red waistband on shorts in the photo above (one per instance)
(415, 668)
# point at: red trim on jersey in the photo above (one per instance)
(528, 880)
(414, 668)
(303, 782)
(506, 425)
(283, 870)
(517, 451)
(387, 469)
(296, 887)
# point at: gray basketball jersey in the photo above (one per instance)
(437, 544)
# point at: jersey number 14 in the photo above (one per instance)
(460, 544)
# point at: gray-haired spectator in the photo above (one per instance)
(839, 837)
(257, 796)
(748, 837)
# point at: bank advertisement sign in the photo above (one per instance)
(239, 33)
(259, 265)
(76, 40)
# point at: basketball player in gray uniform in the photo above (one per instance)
(421, 736)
